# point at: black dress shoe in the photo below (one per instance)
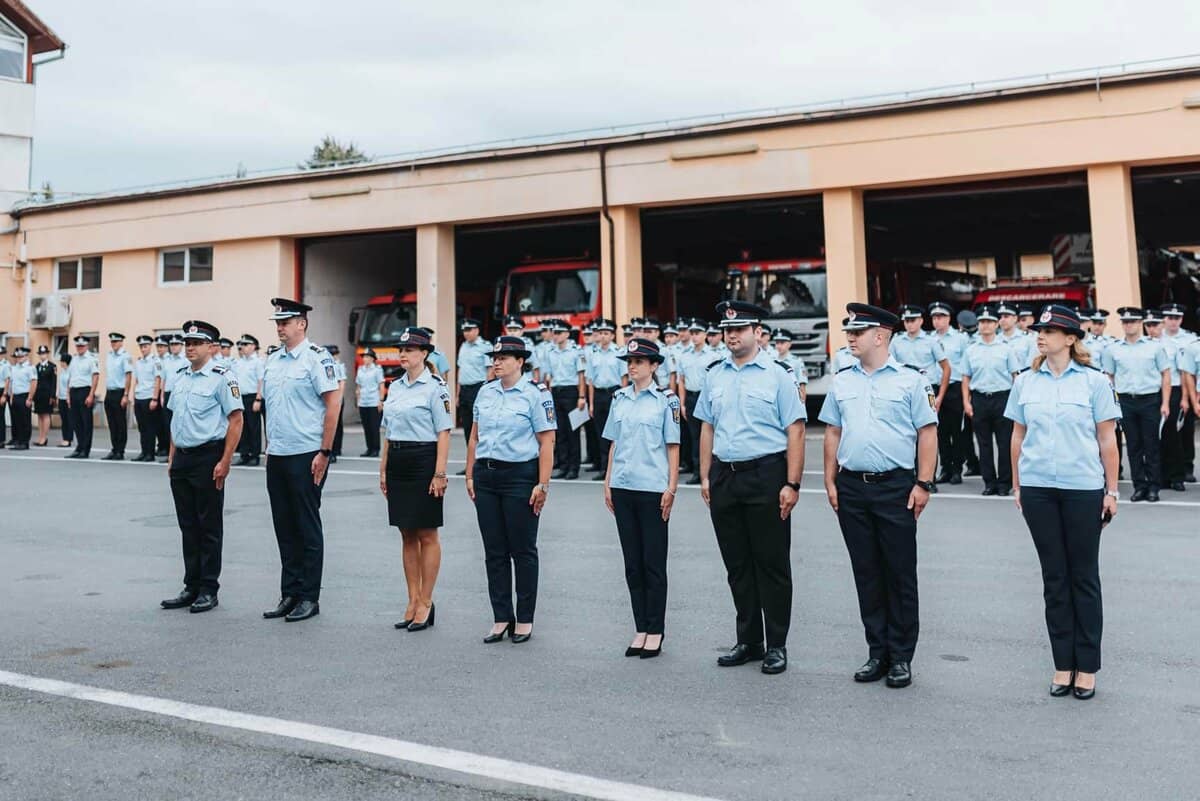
(1004, 492)
(204, 603)
(75, 455)
(694, 480)
(428, 622)
(572, 475)
(303, 611)
(598, 477)
(241, 462)
(633, 650)
(650, 653)
(1190, 478)
(557, 474)
(517, 639)
(1152, 496)
(286, 605)
(956, 478)
(775, 661)
(491, 638)
(740, 654)
(990, 491)
(972, 471)
(185, 598)
(462, 472)
(111, 457)
(872, 670)
(404, 624)
(365, 454)
(1139, 495)
(943, 478)
(1178, 486)
(1061, 690)
(899, 675)
(1085, 695)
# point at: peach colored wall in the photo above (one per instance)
(12, 289)
(245, 276)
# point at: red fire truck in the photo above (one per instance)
(378, 325)
(563, 289)
(1071, 290)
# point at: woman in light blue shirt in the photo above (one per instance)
(1064, 452)
(510, 454)
(639, 487)
(369, 391)
(412, 470)
(64, 410)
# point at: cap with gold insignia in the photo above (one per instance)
(200, 331)
(225, 342)
(739, 314)
(287, 309)
(116, 337)
(1061, 317)
(161, 340)
(512, 346)
(248, 339)
(986, 312)
(1130, 314)
(1172, 309)
(145, 339)
(468, 323)
(413, 337)
(911, 311)
(861, 316)
(81, 340)
(175, 339)
(645, 348)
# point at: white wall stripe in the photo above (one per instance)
(462, 762)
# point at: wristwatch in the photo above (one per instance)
(1113, 494)
(544, 487)
(794, 485)
(928, 486)
(327, 452)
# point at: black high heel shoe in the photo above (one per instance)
(428, 624)
(1062, 690)
(648, 653)
(404, 624)
(517, 639)
(634, 650)
(491, 638)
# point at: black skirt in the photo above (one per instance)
(410, 469)
(41, 402)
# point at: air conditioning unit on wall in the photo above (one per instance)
(49, 311)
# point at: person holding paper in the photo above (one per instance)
(639, 488)
(563, 372)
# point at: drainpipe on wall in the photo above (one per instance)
(612, 231)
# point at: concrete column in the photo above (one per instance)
(435, 287)
(624, 299)
(845, 256)
(1114, 240)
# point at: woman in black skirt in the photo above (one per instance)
(44, 397)
(412, 470)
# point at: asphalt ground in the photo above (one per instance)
(87, 549)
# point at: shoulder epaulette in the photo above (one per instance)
(219, 370)
(440, 380)
(844, 369)
(711, 365)
(181, 370)
(785, 366)
(670, 393)
(1093, 367)
(544, 387)
(316, 348)
(1025, 369)
(913, 367)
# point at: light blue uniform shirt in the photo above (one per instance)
(842, 358)
(693, 365)
(81, 369)
(539, 350)
(5, 373)
(62, 383)
(880, 414)
(1060, 414)
(749, 407)
(563, 365)
(339, 370)
(436, 358)
(640, 426)
(117, 365)
(1188, 359)
(21, 375)
(368, 379)
(922, 351)
(172, 364)
(1137, 368)
(1173, 345)
(1023, 343)
(145, 370)
(201, 404)
(954, 344)
(293, 387)
(509, 420)
(417, 411)
(604, 369)
(249, 371)
(474, 359)
(662, 373)
(990, 366)
(797, 364)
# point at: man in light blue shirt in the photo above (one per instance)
(1141, 375)
(1023, 343)
(83, 378)
(751, 463)
(173, 362)
(952, 444)
(1179, 445)
(563, 368)
(989, 367)
(249, 369)
(922, 351)
(474, 369)
(5, 397)
(147, 385)
(369, 390)
(22, 377)
(205, 426)
(118, 382)
(881, 424)
(693, 364)
(303, 404)
(605, 374)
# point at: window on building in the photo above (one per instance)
(78, 274)
(186, 265)
(12, 51)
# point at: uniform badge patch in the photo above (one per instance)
(329, 371)
(932, 398)
(549, 407)
(237, 393)
(675, 413)
(446, 403)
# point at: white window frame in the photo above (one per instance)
(78, 289)
(24, 39)
(187, 265)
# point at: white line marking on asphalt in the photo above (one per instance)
(958, 496)
(403, 750)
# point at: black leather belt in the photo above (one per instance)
(877, 478)
(496, 464)
(201, 447)
(990, 394)
(400, 444)
(750, 464)
(606, 389)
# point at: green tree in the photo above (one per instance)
(331, 153)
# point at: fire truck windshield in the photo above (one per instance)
(792, 294)
(385, 324)
(553, 291)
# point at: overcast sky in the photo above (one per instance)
(154, 91)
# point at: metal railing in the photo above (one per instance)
(657, 127)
